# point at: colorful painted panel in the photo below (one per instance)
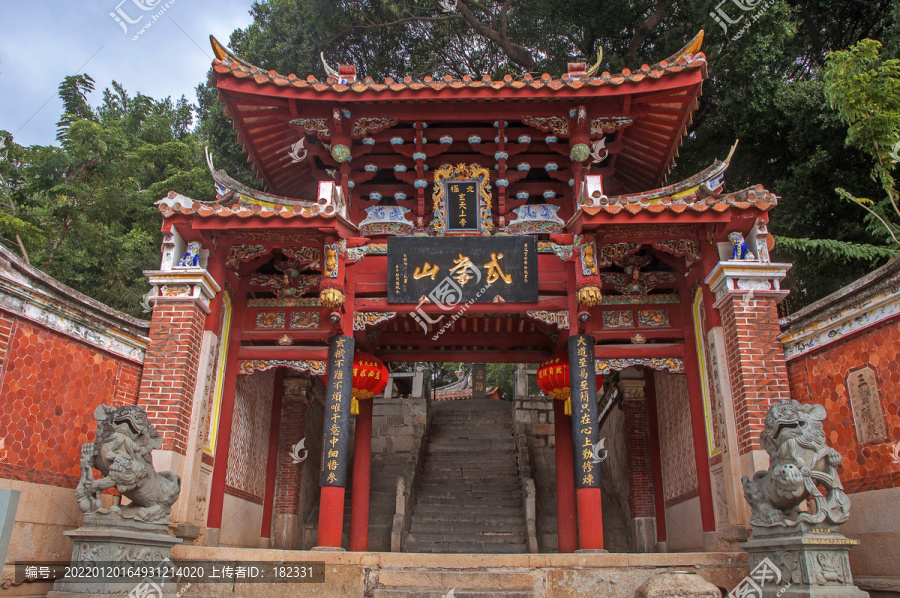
(270, 319)
(305, 319)
(618, 319)
(653, 318)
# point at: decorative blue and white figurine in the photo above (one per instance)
(191, 257)
(741, 251)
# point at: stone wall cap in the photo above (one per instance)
(854, 292)
(21, 274)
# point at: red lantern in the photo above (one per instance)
(553, 379)
(370, 377)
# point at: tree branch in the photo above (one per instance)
(513, 51)
(644, 30)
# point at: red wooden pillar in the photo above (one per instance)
(585, 435)
(698, 417)
(362, 465)
(272, 458)
(566, 522)
(226, 413)
(656, 458)
(335, 441)
(331, 516)
(590, 519)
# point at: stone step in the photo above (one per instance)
(468, 499)
(449, 485)
(416, 593)
(499, 431)
(436, 579)
(469, 471)
(464, 548)
(469, 444)
(444, 515)
(473, 462)
(487, 537)
(420, 528)
(438, 483)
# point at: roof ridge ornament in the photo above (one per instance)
(329, 70)
(691, 48)
(593, 70)
(223, 53)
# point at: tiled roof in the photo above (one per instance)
(265, 105)
(241, 70)
(460, 390)
(700, 201)
(175, 203)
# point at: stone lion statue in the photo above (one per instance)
(125, 439)
(801, 466)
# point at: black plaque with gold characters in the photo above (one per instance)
(585, 433)
(337, 411)
(451, 271)
(462, 205)
(479, 381)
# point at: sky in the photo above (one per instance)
(43, 41)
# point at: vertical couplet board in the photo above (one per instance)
(585, 433)
(479, 379)
(337, 411)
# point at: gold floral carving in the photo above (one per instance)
(462, 172)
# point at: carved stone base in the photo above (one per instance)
(110, 541)
(813, 561)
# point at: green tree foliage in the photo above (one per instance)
(865, 90)
(85, 212)
(765, 88)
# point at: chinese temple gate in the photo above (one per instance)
(472, 220)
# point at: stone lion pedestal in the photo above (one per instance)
(799, 562)
(110, 544)
(122, 550)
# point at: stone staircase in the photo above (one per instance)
(469, 499)
(386, 468)
(437, 583)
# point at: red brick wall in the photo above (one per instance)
(821, 377)
(755, 363)
(170, 370)
(6, 322)
(50, 385)
(641, 500)
(287, 473)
